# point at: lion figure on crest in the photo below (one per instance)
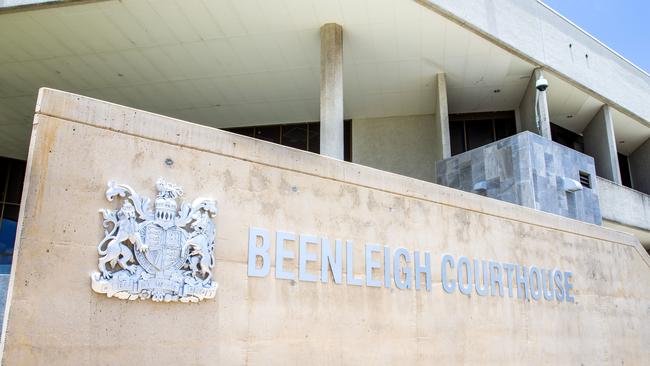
(116, 252)
(200, 246)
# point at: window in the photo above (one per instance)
(303, 136)
(12, 174)
(472, 130)
(567, 138)
(624, 167)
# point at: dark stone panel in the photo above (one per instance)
(528, 170)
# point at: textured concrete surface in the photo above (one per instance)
(406, 145)
(624, 206)
(528, 170)
(640, 167)
(331, 91)
(78, 144)
(600, 143)
(442, 140)
(533, 31)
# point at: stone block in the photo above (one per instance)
(528, 170)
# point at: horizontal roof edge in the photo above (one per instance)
(594, 38)
(628, 95)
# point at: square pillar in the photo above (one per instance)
(639, 167)
(600, 143)
(441, 118)
(533, 108)
(331, 91)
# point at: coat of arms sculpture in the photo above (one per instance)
(165, 255)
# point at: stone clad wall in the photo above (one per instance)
(78, 144)
(528, 170)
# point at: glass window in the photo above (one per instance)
(303, 136)
(479, 133)
(4, 173)
(12, 174)
(505, 127)
(7, 239)
(269, 133)
(567, 138)
(246, 131)
(624, 166)
(457, 134)
(314, 137)
(15, 187)
(472, 130)
(296, 135)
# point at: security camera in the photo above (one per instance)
(541, 84)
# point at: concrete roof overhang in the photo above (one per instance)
(229, 63)
(573, 108)
(232, 63)
(540, 35)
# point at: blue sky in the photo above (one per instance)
(622, 25)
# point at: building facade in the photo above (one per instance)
(505, 100)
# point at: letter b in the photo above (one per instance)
(254, 251)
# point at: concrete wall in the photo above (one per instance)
(78, 144)
(404, 145)
(533, 31)
(624, 205)
(640, 167)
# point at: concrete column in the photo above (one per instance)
(640, 168)
(441, 119)
(600, 143)
(532, 105)
(331, 90)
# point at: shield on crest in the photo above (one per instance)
(165, 248)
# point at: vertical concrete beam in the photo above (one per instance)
(532, 105)
(441, 119)
(600, 143)
(331, 91)
(543, 117)
(640, 168)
